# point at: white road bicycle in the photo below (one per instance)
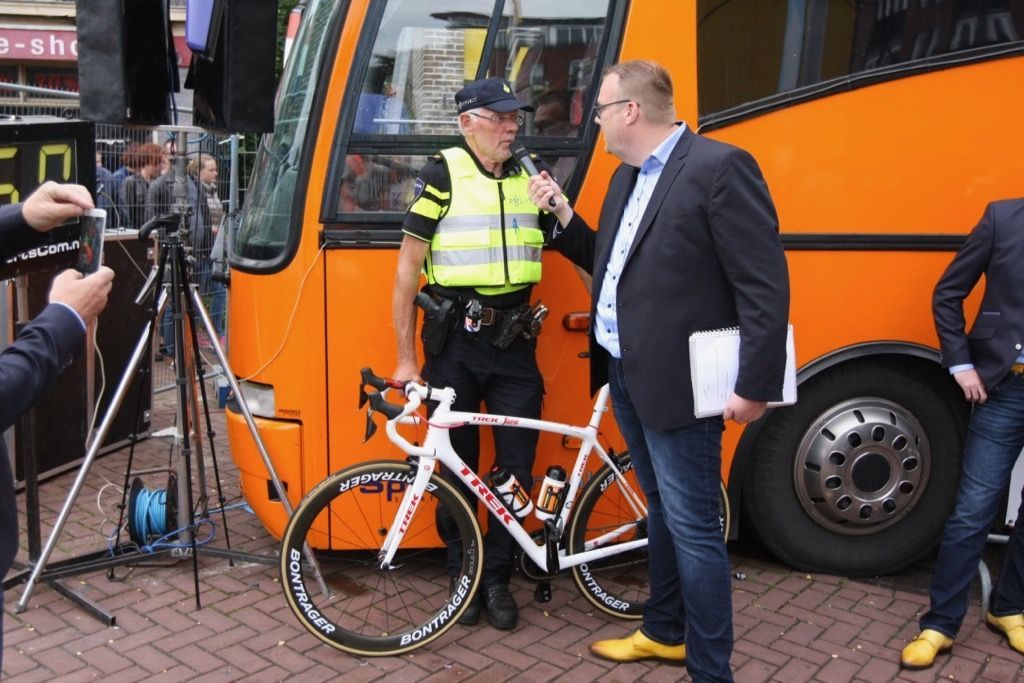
(373, 530)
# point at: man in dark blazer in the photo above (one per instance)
(988, 364)
(687, 241)
(47, 345)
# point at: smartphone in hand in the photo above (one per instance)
(90, 242)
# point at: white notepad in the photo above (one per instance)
(714, 364)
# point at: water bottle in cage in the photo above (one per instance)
(511, 492)
(550, 489)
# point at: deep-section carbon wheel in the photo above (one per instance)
(373, 611)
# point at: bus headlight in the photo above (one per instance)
(259, 398)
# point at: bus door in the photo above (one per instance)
(398, 108)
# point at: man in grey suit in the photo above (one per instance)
(687, 241)
(988, 364)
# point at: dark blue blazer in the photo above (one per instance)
(28, 368)
(994, 248)
(706, 255)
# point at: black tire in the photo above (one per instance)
(373, 612)
(618, 585)
(860, 475)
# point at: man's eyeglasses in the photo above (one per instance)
(499, 119)
(598, 108)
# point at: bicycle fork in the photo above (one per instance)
(406, 512)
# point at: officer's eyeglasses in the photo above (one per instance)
(499, 119)
(598, 108)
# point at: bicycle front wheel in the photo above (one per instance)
(373, 611)
(606, 515)
(618, 584)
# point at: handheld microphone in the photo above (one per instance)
(523, 157)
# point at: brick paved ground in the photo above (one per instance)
(789, 626)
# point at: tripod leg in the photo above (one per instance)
(159, 304)
(185, 373)
(254, 431)
(192, 305)
(101, 433)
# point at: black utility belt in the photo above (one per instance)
(470, 315)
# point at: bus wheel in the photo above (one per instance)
(859, 476)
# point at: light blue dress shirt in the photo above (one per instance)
(607, 325)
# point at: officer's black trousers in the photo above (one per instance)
(507, 382)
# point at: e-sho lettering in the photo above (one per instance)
(596, 590)
(298, 589)
(442, 617)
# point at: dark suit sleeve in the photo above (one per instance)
(28, 368)
(30, 365)
(956, 283)
(576, 242)
(15, 234)
(744, 229)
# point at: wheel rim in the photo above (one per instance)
(374, 611)
(861, 466)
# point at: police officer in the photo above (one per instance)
(475, 233)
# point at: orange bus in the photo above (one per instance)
(882, 127)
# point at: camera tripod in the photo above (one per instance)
(170, 284)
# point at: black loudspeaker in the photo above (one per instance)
(120, 325)
(59, 418)
(234, 91)
(126, 61)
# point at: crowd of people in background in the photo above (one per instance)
(143, 188)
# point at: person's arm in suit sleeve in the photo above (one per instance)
(959, 278)
(570, 235)
(956, 283)
(744, 228)
(30, 366)
(16, 235)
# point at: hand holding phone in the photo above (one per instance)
(90, 242)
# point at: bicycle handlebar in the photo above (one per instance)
(415, 395)
(378, 403)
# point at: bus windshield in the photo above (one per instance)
(263, 235)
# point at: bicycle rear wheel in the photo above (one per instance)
(618, 585)
(373, 611)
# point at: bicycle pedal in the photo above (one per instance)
(542, 593)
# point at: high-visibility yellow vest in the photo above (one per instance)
(490, 238)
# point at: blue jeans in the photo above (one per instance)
(995, 436)
(691, 594)
(218, 307)
(167, 332)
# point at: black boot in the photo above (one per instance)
(472, 614)
(502, 611)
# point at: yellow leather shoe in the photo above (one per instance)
(1012, 626)
(921, 651)
(636, 647)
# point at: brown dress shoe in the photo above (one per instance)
(636, 647)
(921, 651)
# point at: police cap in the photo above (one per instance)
(494, 93)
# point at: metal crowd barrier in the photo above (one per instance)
(111, 143)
